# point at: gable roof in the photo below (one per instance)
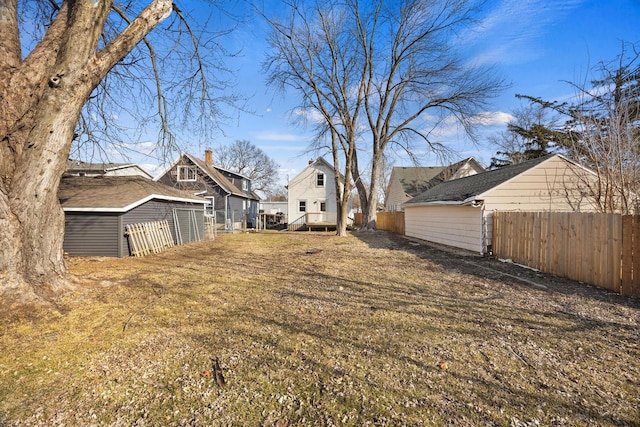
(318, 162)
(79, 166)
(213, 173)
(463, 189)
(416, 180)
(115, 193)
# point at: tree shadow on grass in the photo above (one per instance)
(460, 261)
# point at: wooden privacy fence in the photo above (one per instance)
(595, 248)
(390, 221)
(149, 237)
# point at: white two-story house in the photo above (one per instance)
(312, 197)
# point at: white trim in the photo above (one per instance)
(168, 168)
(189, 169)
(137, 203)
(467, 201)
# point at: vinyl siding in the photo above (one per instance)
(303, 187)
(190, 231)
(161, 210)
(153, 210)
(395, 195)
(457, 226)
(91, 234)
(468, 169)
(554, 185)
(105, 234)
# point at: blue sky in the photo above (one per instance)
(535, 45)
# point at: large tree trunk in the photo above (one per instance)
(371, 211)
(342, 186)
(41, 98)
(30, 206)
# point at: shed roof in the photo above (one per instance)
(115, 193)
(459, 190)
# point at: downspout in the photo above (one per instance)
(483, 226)
(226, 210)
(484, 231)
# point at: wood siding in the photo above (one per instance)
(457, 226)
(89, 234)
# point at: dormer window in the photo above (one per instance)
(187, 173)
(319, 179)
(245, 185)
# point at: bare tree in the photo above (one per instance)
(57, 57)
(386, 73)
(277, 193)
(602, 130)
(605, 131)
(247, 159)
(312, 54)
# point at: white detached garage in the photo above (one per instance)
(459, 213)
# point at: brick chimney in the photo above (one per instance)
(208, 157)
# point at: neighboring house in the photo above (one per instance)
(80, 168)
(407, 182)
(229, 193)
(312, 196)
(459, 212)
(273, 214)
(97, 210)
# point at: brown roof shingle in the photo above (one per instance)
(115, 193)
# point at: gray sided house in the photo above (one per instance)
(229, 193)
(98, 209)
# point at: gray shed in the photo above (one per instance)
(97, 210)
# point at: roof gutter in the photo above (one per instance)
(135, 204)
(469, 201)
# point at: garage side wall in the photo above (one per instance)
(156, 210)
(555, 185)
(457, 226)
(88, 234)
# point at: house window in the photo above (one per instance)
(245, 185)
(320, 179)
(186, 173)
(209, 208)
(302, 205)
(323, 206)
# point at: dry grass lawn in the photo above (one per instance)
(313, 329)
